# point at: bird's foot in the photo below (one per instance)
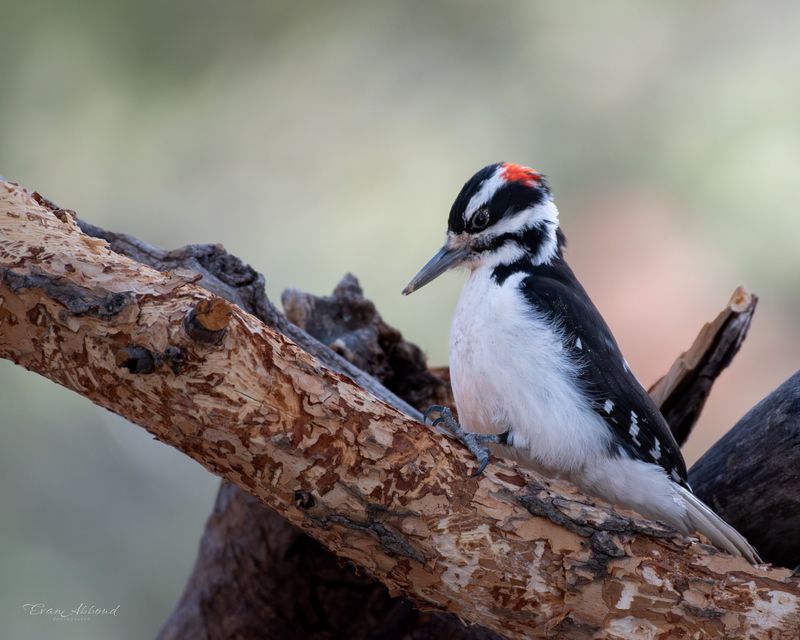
(475, 442)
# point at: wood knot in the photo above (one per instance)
(303, 500)
(174, 357)
(208, 321)
(136, 359)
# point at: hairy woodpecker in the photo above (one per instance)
(534, 366)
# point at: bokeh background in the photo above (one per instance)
(317, 138)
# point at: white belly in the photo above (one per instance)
(510, 370)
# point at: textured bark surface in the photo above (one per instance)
(519, 554)
(349, 324)
(226, 276)
(257, 575)
(767, 510)
(291, 586)
(268, 578)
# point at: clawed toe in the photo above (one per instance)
(472, 441)
(434, 408)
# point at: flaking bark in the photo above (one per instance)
(267, 578)
(519, 554)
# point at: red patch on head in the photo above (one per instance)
(518, 173)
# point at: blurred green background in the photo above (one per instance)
(317, 138)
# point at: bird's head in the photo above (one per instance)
(503, 213)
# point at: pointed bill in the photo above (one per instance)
(446, 258)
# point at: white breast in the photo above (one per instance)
(510, 370)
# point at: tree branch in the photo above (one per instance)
(290, 586)
(349, 322)
(682, 393)
(767, 508)
(512, 551)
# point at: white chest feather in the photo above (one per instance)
(510, 370)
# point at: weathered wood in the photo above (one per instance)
(349, 323)
(751, 477)
(243, 595)
(259, 577)
(225, 275)
(682, 393)
(256, 574)
(261, 592)
(386, 492)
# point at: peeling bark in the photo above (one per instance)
(259, 577)
(517, 553)
(245, 587)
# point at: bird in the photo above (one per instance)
(535, 369)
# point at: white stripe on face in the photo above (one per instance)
(544, 212)
(543, 215)
(484, 194)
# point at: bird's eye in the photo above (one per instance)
(480, 220)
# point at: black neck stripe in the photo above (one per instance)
(531, 241)
(503, 272)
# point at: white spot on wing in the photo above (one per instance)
(608, 407)
(578, 343)
(634, 431)
(655, 452)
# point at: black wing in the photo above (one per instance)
(617, 396)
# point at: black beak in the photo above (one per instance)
(447, 257)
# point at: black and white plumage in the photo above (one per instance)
(533, 362)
